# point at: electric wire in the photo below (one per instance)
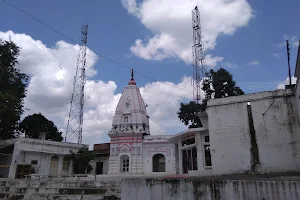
(98, 54)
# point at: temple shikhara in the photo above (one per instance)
(132, 148)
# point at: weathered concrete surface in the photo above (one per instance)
(59, 190)
(243, 188)
(276, 127)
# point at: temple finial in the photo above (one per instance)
(132, 74)
(132, 81)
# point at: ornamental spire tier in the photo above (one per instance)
(131, 115)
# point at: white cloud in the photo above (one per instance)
(276, 55)
(255, 62)
(293, 41)
(212, 61)
(170, 22)
(230, 65)
(286, 82)
(52, 70)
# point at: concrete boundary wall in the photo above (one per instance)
(59, 190)
(259, 137)
(167, 189)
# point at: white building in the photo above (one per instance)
(24, 156)
(132, 149)
(256, 133)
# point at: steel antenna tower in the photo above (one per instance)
(74, 127)
(198, 55)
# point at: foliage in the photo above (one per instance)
(220, 84)
(81, 161)
(33, 125)
(217, 84)
(12, 89)
(187, 114)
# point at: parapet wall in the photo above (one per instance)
(59, 190)
(160, 188)
(255, 132)
(252, 189)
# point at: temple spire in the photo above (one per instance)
(132, 81)
(132, 74)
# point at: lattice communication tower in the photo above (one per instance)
(75, 120)
(198, 55)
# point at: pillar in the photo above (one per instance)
(14, 159)
(180, 156)
(60, 165)
(71, 168)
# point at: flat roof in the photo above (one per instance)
(250, 97)
(191, 130)
(38, 141)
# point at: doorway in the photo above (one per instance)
(159, 163)
(22, 171)
(99, 168)
(189, 159)
(54, 166)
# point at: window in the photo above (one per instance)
(188, 141)
(207, 155)
(158, 163)
(34, 162)
(189, 159)
(124, 163)
(206, 138)
(139, 151)
(66, 164)
(125, 119)
(112, 152)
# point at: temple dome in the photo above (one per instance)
(130, 115)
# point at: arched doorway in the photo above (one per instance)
(159, 163)
(124, 163)
(66, 166)
(54, 166)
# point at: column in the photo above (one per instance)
(60, 165)
(71, 168)
(180, 156)
(200, 154)
(13, 164)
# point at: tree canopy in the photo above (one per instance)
(33, 125)
(81, 161)
(216, 84)
(187, 114)
(12, 89)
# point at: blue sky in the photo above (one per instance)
(112, 31)
(259, 30)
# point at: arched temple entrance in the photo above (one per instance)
(159, 163)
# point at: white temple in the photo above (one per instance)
(132, 149)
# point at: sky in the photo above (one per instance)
(154, 37)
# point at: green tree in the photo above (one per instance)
(188, 114)
(12, 89)
(81, 161)
(33, 125)
(217, 84)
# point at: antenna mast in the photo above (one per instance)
(74, 127)
(288, 57)
(198, 55)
